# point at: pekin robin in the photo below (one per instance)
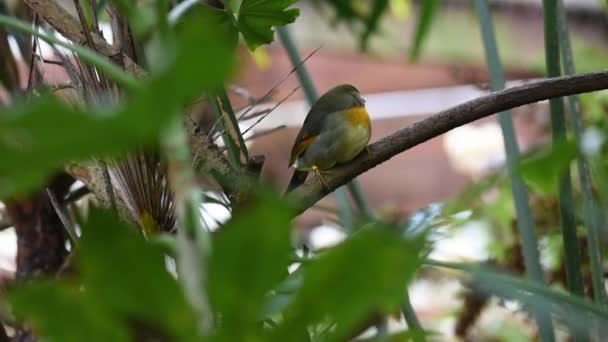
(336, 129)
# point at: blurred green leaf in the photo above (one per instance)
(38, 137)
(59, 313)
(234, 6)
(344, 10)
(251, 254)
(367, 273)
(428, 11)
(379, 8)
(542, 170)
(131, 279)
(221, 20)
(257, 17)
(125, 285)
(567, 307)
(472, 196)
(500, 207)
(140, 15)
(283, 294)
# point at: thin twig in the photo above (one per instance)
(273, 108)
(276, 86)
(65, 220)
(244, 93)
(30, 76)
(266, 132)
(256, 114)
(50, 61)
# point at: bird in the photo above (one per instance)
(336, 129)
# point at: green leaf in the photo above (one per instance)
(284, 294)
(251, 255)
(38, 137)
(542, 171)
(221, 20)
(428, 11)
(379, 9)
(575, 310)
(124, 284)
(128, 276)
(140, 15)
(59, 313)
(257, 17)
(367, 273)
(234, 6)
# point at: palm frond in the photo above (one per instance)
(143, 185)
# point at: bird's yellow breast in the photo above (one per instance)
(358, 116)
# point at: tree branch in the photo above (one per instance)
(404, 139)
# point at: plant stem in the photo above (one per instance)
(194, 242)
(228, 109)
(520, 193)
(233, 150)
(409, 314)
(530, 288)
(590, 217)
(558, 130)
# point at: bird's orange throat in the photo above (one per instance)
(358, 116)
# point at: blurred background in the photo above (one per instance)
(451, 70)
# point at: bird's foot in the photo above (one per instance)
(319, 175)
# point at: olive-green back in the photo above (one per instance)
(339, 98)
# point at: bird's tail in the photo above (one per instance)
(297, 179)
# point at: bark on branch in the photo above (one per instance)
(384, 149)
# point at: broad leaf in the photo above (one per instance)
(251, 255)
(542, 171)
(61, 313)
(257, 17)
(367, 273)
(128, 276)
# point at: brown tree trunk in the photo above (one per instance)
(41, 237)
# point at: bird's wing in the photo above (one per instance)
(311, 128)
(300, 145)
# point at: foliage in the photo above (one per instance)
(127, 285)
(31, 151)
(130, 292)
